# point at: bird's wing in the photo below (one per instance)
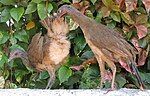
(105, 38)
(35, 49)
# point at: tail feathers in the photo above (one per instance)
(136, 73)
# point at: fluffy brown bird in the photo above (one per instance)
(107, 45)
(47, 52)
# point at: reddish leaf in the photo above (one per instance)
(141, 31)
(142, 57)
(121, 3)
(108, 75)
(147, 5)
(130, 5)
(142, 53)
(135, 43)
(125, 65)
(77, 68)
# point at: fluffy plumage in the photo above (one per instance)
(47, 52)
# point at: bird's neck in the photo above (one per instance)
(25, 59)
(80, 18)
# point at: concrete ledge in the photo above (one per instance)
(81, 92)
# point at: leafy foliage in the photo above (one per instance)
(20, 20)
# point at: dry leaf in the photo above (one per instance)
(147, 5)
(141, 31)
(130, 5)
(30, 25)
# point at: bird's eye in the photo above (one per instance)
(59, 11)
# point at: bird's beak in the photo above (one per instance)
(60, 14)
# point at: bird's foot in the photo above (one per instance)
(111, 89)
(142, 87)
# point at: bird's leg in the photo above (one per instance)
(113, 68)
(51, 79)
(102, 71)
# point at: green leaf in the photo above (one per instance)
(64, 73)
(120, 80)
(141, 10)
(72, 24)
(93, 1)
(44, 75)
(112, 24)
(31, 8)
(89, 14)
(108, 3)
(126, 18)
(42, 11)
(115, 16)
(143, 42)
(2, 82)
(90, 78)
(50, 7)
(5, 15)
(17, 13)
(4, 36)
(87, 55)
(12, 85)
(13, 40)
(66, 1)
(7, 2)
(37, 1)
(79, 44)
(21, 36)
(19, 74)
(16, 46)
(6, 74)
(99, 16)
(3, 59)
(115, 7)
(141, 19)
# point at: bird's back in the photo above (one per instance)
(108, 39)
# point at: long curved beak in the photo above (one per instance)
(60, 14)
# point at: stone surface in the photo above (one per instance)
(81, 92)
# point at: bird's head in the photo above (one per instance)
(64, 10)
(17, 53)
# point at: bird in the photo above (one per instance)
(109, 47)
(46, 52)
